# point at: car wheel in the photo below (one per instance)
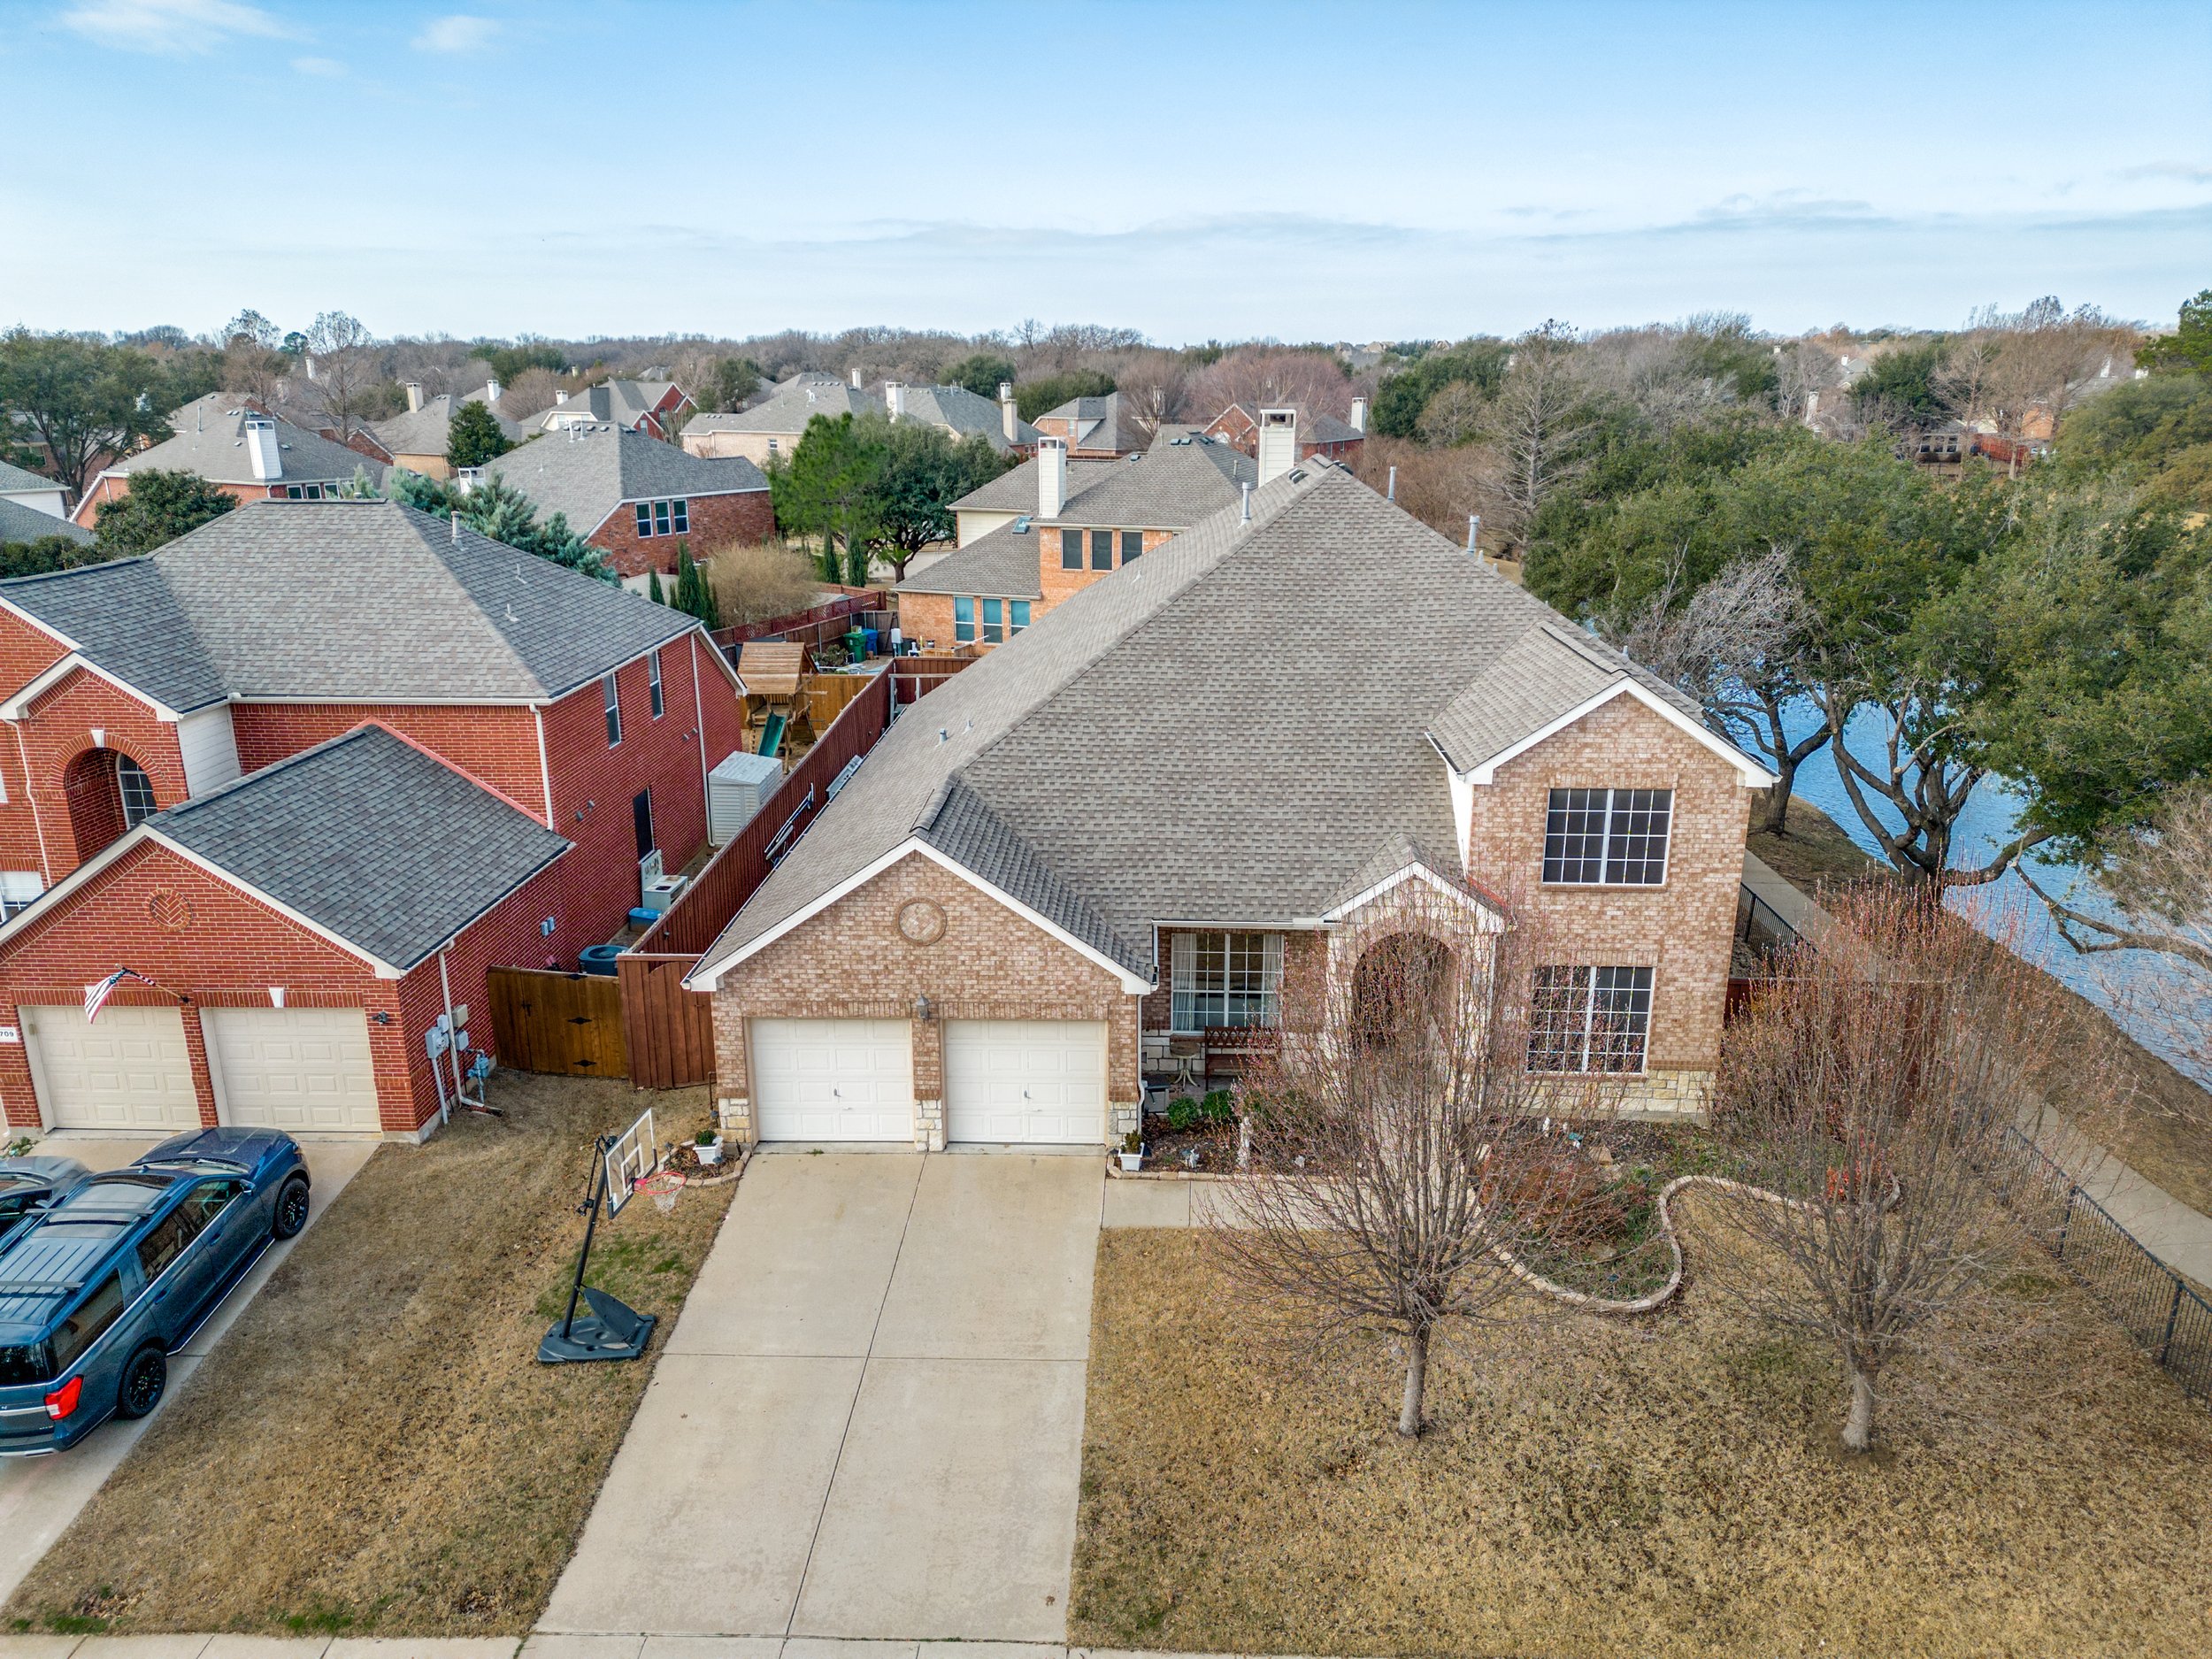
(291, 1207)
(145, 1379)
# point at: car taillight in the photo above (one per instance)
(63, 1400)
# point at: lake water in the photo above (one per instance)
(2113, 981)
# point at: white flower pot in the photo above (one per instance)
(1131, 1162)
(709, 1153)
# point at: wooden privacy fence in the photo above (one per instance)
(670, 1033)
(567, 1024)
(820, 626)
(917, 676)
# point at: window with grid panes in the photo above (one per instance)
(1607, 837)
(993, 622)
(964, 619)
(1226, 980)
(1589, 1019)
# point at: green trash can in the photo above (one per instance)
(857, 643)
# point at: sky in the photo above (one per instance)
(1197, 169)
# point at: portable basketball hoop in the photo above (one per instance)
(661, 1186)
(624, 1163)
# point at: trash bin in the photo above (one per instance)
(857, 643)
(870, 636)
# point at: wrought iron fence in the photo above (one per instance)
(2153, 1303)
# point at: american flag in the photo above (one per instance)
(95, 996)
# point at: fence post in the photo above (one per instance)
(2066, 1219)
(2173, 1317)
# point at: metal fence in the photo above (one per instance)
(2153, 1303)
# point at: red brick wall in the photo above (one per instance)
(114, 488)
(37, 831)
(715, 521)
(929, 616)
(496, 745)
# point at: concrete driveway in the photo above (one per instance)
(869, 1421)
(40, 1496)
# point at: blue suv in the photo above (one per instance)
(96, 1291)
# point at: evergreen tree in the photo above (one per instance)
(161, 507)
(653, 588)
(473, 436)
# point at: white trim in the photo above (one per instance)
(699, 722)
(709, 978)
(1753, 775)
(19, 705)
(1488, 920)
(545, 770)
(38, 824)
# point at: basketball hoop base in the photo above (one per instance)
(611, 1329)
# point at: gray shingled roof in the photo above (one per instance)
(16, 480)
(1313, 427)
(122, 616)
(624, 402)
(1322, 641)
(427, 430)
(964, 413)
(1548, 671)
(1003, 564)
(1107, 433)
(353, 601)
(19, 522)
(1015, 490)
(587, 472)
(368, 836)
(211, 441)
(787, 413)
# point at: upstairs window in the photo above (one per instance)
(645, 519)
(653, 685)
(1070, 549)
(18, 888)
(660, 518)
(614, 710)
(1589, 1019)
(136, 790)
(679, 514)
(963, 620)
(1101, 549)
(993, 622)
(1018, 610)
(1226, 978)
(1607, 837)
(1132, 545)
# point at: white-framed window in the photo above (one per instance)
(136, 790)
(1607, 837)
(993, 622)
(614, 710)
(644, 518)
(17, 888)
(653, 684)
(1589, 1019)
(964, 619)
(679, 512)
(1225, 979)
(1018, 612)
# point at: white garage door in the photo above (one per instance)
(1026, 1080)
(126, 1070)
(294, 1069)
(833, 1079)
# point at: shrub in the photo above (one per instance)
(763, 579)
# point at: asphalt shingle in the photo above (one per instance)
(585, 473)
(19, 522)
(211, 441)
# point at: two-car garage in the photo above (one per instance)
(1022, 1082)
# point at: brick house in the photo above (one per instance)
(418, 439)
(637, 497)
(302, 768)
(1095, 849)
(242, 451)
(1092, 428)
(774, 426)
(648, 406)
(1051, 526)
(1319, 433)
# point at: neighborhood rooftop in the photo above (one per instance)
(1059, 762)
(19, 522)
(585, 471)
(344, 601)
(209, 439)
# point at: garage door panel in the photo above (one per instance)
(295, 1069)
(833, 1079)
(126, 1069)
(1025, 1081)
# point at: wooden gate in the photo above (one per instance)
(567, 1024)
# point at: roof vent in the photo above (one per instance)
(1246, 516)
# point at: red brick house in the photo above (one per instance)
(648, 406)
(313, 770)
(1095, 851)
(244, 452)
(638, 497)
(1319, 433)
(1093, 428)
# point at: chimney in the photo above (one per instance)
(1009, 422)
(261, 448)
(1278, 442)
(414, 397)
(894, 397)
(307, 357)
(1359, 414)
(1052, 477)
(559, 398)
(856, 380)
(491, 390)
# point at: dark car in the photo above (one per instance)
(30, 1185)
(98, 1290)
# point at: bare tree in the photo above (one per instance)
(1441, 487)
(1540, 417)
(1737, 645)
(1867, 1088)
(345, 373)
(1153, 387)
(532, 394)
(1805, 379)
(1313, 380)
(1402, 1152)
(1458, 413)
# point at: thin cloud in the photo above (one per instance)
(459, 33)
(330, 68)
(169, 26)
(2183, 171)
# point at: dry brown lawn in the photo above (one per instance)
(1595, 1488)
(372, 1448)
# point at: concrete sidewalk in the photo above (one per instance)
(543, 1647)
(868, 1422)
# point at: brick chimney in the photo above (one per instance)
(1009, 418)
(1278, 442)
(1359, 414)
(414, 396)
(1052, 477)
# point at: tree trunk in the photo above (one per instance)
(1774, 813)
(1417, 1382)
(1858, 1426)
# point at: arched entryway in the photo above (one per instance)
(1401, 977)
(108, 793)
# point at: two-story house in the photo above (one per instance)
(1052, 526)
(773, 427)
(652, 407)
(418, 439)
(1093, 428)
(638, 498)
(241, 450)
(308, 773)
(1319, 432)
(1103, 842)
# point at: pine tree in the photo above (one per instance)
(653, 588)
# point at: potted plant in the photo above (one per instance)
(706, 1145)
(1131, 1152)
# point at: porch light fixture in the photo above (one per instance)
(923, 1010)
(381, 1017)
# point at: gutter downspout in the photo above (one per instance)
(545, 771)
